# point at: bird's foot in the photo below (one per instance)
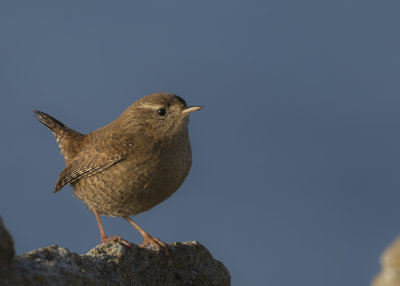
(116, 238)
(155, 243)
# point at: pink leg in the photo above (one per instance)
(148, 239)
(104, 238)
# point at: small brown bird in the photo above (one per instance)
(130, 165)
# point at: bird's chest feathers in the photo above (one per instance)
(167, 159)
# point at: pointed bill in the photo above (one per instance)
(190, 109)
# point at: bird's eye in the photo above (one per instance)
(161, 112)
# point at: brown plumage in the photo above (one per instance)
(130, 165)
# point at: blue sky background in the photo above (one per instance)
(295, 177)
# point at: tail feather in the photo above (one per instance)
(50, 122)
(69, 141)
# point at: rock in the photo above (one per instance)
(190, 263)
(6, 253)
(390, 262)
(6, 246)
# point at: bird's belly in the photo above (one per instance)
(123, 190)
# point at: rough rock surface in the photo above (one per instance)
(190, 263)
(390, 262)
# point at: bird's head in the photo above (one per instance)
(158, 115)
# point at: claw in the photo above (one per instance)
(155, 243)
(148, 239)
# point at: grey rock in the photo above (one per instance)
(189, 263)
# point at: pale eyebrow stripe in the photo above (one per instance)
(150, 105)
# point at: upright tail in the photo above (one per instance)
(50, 122)
(68, 140)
